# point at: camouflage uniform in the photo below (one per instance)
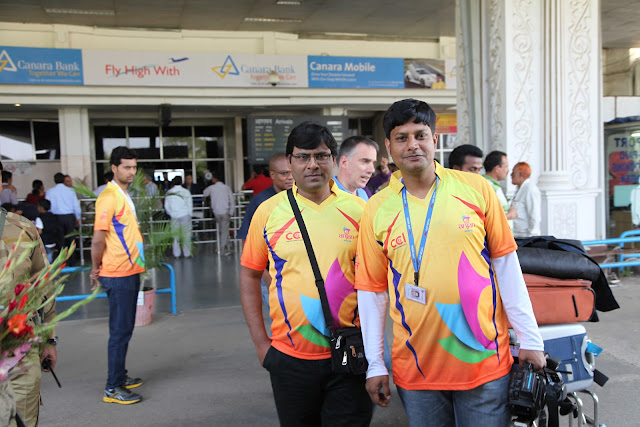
(26, 387)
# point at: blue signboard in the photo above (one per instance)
(27, 65)
(353, 72)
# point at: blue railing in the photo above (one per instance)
(170, 290)
(623, 258)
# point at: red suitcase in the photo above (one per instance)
(558, 301)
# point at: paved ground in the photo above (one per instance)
(200, 369)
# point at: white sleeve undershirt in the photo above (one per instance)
(516, 302)
(372, 307)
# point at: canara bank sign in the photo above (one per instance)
(254, 70)
(40, 66)
(20, 65)
(229, 67)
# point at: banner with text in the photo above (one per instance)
(123, 68)
(30, 65)
(21, 65)
(354, 72)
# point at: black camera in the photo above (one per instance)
(526, 393)
(530, 393)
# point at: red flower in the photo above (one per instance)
(18, 325)
(19, 287)
(12, 305)
(23, 301)
(63, 266)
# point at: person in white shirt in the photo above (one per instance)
(635, 206)
(527, 202)
(222, 206)
(8, 194)
(179, 205)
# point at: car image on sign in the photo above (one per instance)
(420, 76)
(426, 73)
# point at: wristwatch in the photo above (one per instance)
(53, 341)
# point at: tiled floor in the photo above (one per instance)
(204, 281)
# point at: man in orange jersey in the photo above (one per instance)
(118, 259)
(439, 241)
(297, 355)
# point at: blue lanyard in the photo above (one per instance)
(412, 246)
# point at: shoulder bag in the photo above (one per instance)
(347, 347)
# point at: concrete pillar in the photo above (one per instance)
(75, 144)
(529, 84)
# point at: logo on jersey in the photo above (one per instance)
(296, 235)
(398, 241)
(466, 225)
(346, 235)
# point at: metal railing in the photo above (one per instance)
(171, 290)
(204, 227)
(625, 258)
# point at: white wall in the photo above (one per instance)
(43, 171)
(79, 37)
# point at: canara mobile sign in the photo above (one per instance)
(22, 65)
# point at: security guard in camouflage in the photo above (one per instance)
(26, 386)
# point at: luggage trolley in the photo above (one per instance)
(569, 344)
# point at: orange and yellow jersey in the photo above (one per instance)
(458, 340)
(298, 327)
(124, 253)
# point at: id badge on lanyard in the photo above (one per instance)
(413, 291)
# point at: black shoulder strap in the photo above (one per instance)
(314, 263)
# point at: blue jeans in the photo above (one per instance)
(50, 252)
(123, 296)
(485, 405)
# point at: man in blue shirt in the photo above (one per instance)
(356, 160)
(65, 205)
(280, 172)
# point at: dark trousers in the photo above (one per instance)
(67, 223)
(307, 393)
(123, 296)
